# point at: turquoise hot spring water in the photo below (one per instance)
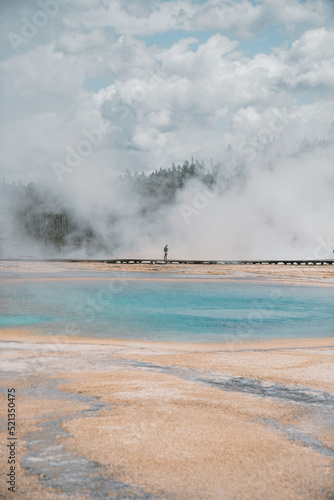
(168, 310)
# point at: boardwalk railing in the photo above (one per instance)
(298, 262)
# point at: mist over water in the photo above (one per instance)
(101, 88)
(275, 207)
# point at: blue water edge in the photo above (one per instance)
(188, 311)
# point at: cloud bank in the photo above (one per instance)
(92, 88)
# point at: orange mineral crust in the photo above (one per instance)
(174, 420)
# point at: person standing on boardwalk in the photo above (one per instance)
(166, 253)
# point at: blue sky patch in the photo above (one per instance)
(95, 84)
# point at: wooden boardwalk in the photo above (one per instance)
(310, 262)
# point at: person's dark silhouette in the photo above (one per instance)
(166, 253)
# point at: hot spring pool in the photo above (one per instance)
(189, 311)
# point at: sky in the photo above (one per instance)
(90, 88)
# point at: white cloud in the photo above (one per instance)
(241, 18)
(310, 61)
(167, 104)
(76, 41)
(192, 98)
(293, 13)
(42, 70)
(161, 17)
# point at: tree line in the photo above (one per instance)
(46, 217)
